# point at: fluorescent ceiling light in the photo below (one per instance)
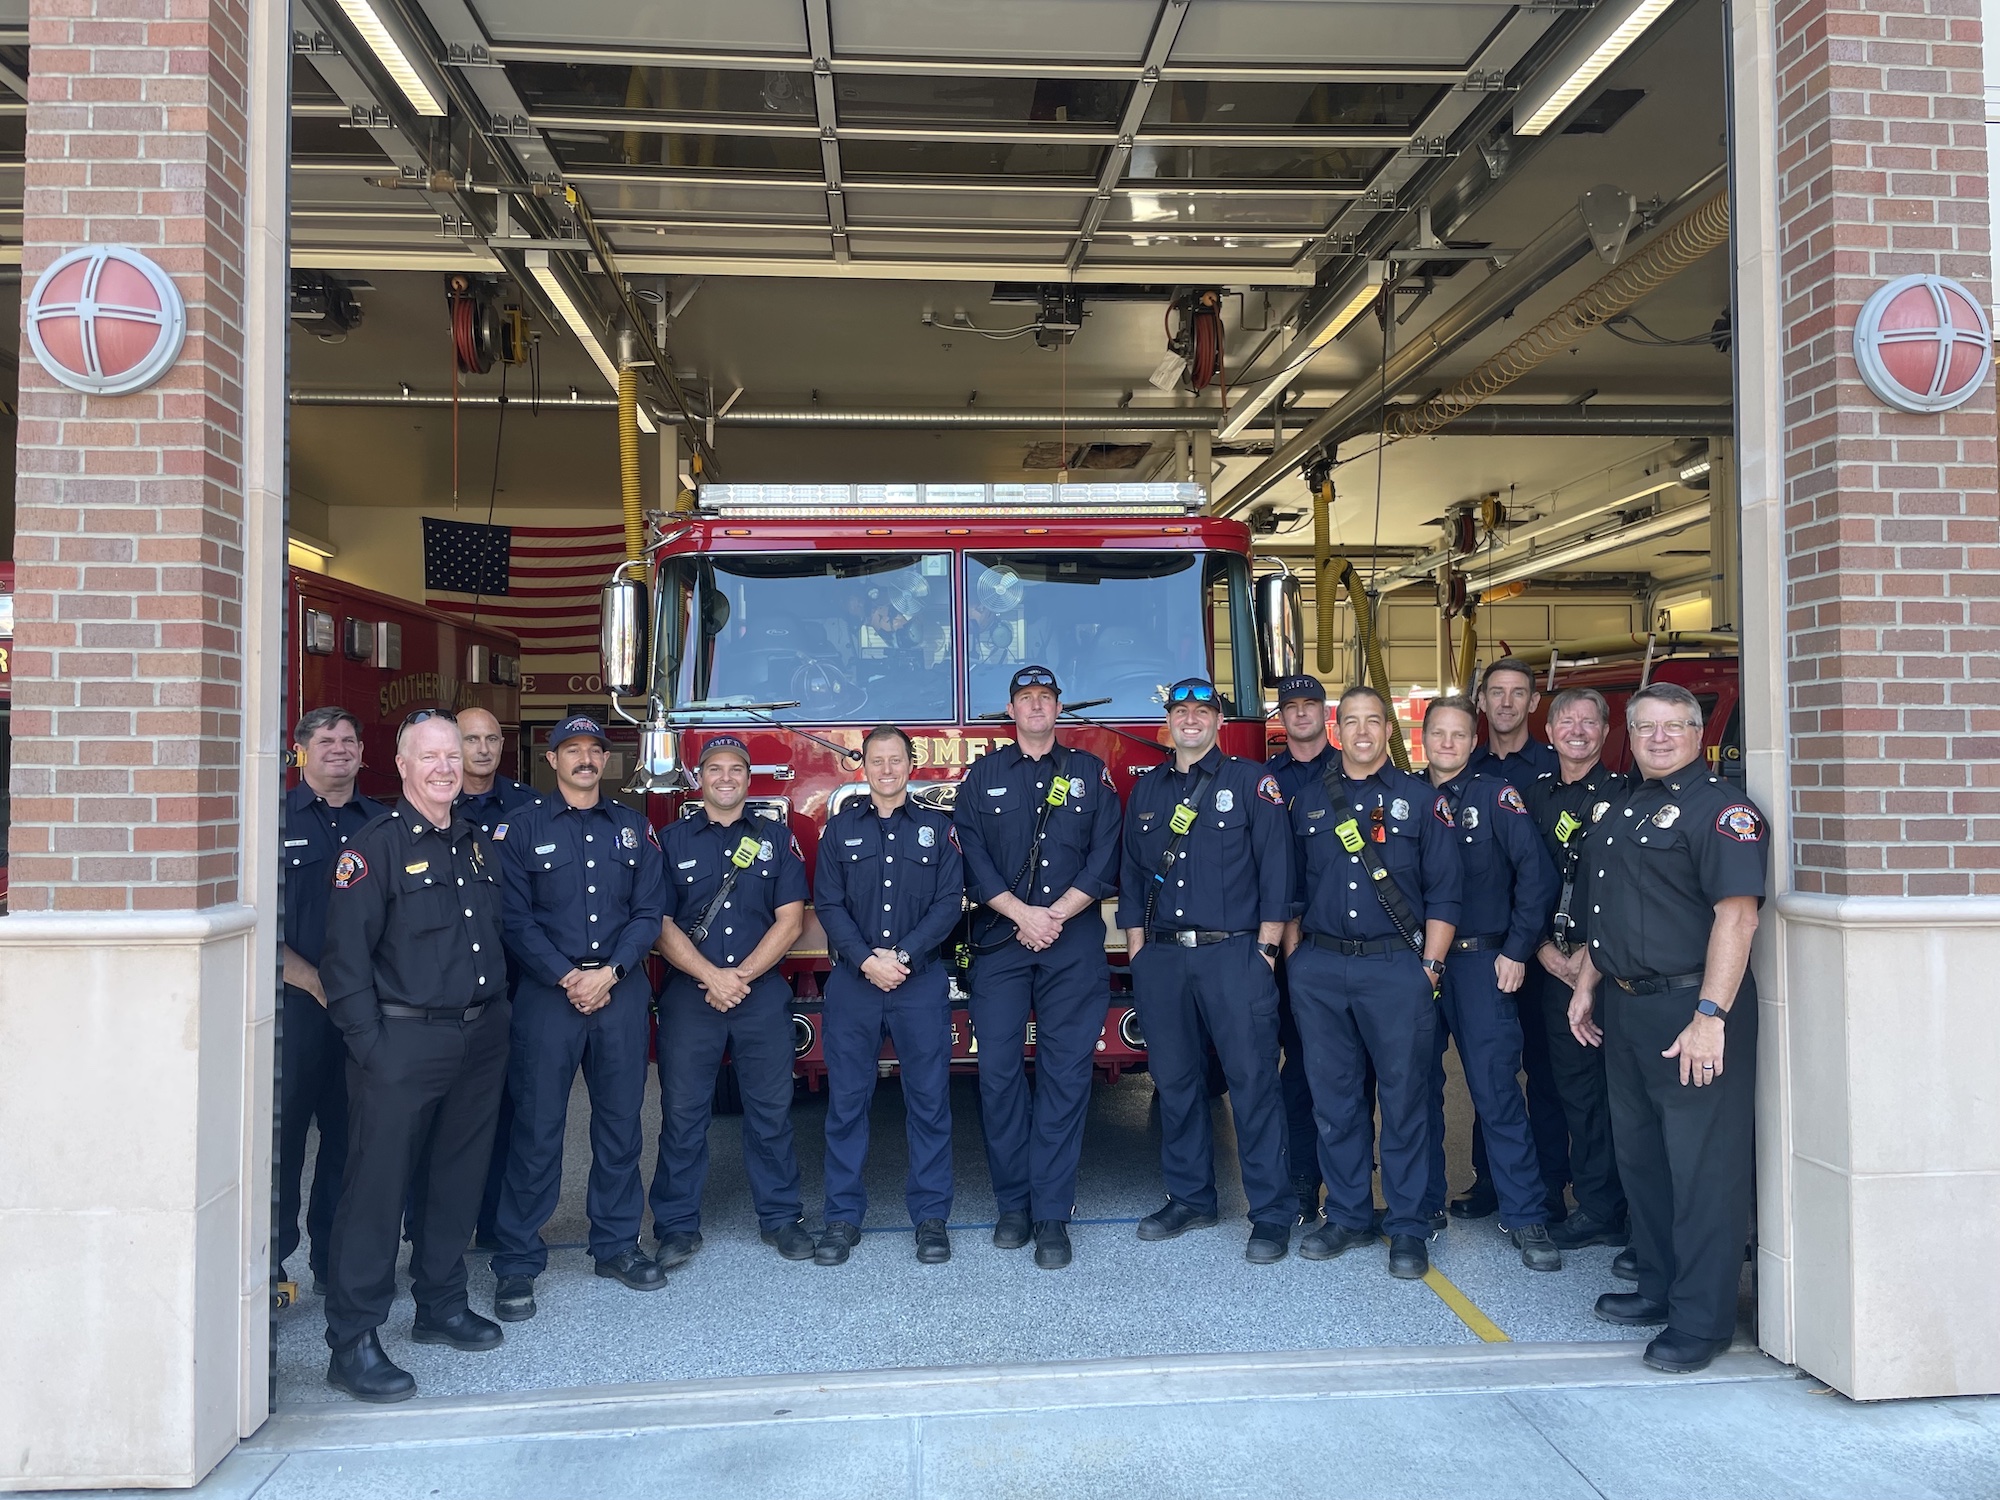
(310, 545)
(585, 330)
(1335, 319)
(1614, 26)
(1584, 548)
(390, 54)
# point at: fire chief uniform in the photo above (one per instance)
(1509, 888)
(415, 979)
(1657, 862)
(757, 1031)
(1359, 989)
(1038, 828)
(584, 891)
(312, 1073)
(1200, 898)
(898, 883)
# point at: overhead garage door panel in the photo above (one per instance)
(1282, 31)
(745, 25)
(693, 200)
(1112, 29)
(934, 207)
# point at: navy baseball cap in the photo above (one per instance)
(1193, 690)
(1033, 676)
(1300, 686)
(728, 742)
(575, 725)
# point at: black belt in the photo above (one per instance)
(1357, 947)
(395, 1012)
(1661, 984)
(1476, 944)
(1191, 937)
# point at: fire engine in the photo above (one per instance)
(798, 616)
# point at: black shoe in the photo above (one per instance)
(635, 1269)
(367, 1374)
(794, 1240)
(1308, 1190)
(1332, 1240)
(834, 1242)
(1581, 1229)
(1629, 1310)
(1682, 1353)
(1177, 1218)
(1052, 1244)
(933, 1242)
(1538, 1251)
(677, 1247)
(1480, 1203)
(1408, 1259)
(467, 1331)
(1014, 1230)
(514, 1299)
(1440, 1222)
(1625, 1265)
(1268, 1244)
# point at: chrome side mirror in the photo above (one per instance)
(1280, 626)
(623, 635)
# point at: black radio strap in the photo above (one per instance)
(740, 859)
(1562, 926)
(1181, 821)
(1057, 795)
(1402, 916)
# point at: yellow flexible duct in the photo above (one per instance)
(1371, 652)
(1322, 576)
(628, 464)
(1468, 647)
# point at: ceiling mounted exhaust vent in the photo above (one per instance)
(1085, 455)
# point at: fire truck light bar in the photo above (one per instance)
(821, 500)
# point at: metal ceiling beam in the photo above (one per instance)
(1159, 47)
(662, 122)
(1164, 187)
(819, 42)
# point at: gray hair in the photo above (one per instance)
(1568, 698)
(312, 723)
(1664, 692)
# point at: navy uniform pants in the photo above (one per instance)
(1686, 1155)
(1579, 1079)
(854, 1018)
(420, 1108)
(1486, 1025)
(1301, 1132)
(312, 1085)
(1034, 1137)
(551, 1040)
(1353, 1011)
(757, 1033)
(1224, 993)
(1546, 1119)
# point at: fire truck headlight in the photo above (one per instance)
(1129, 1032)
(803, 1034)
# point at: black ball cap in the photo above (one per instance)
(1301, 686)
(1032, 676)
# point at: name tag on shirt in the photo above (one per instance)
(545, 848)
(297, 843)
(418, 868)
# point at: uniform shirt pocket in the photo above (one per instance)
(424, 897)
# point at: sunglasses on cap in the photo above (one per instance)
(430, 713)
(1034, 679)
(1191, 692)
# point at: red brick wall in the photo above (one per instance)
(128, 707)
(1893, 579)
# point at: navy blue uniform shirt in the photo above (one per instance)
(1293, 773)
(1231, 872)
(1335, 895)
(697, 854)
(998, 803)
(487, 810)
(1510, 885)
(584, 887)
(314, 832)
(1585, 800)
(1522, 767)
(894, 882)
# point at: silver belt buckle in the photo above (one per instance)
(1187, 939)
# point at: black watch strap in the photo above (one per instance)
(1709, 1008)
(1269, 950)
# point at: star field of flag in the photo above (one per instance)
(465, 557)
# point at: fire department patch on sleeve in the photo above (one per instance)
(1104, 775)
(951, 832)
(349, 869)
(1442, 810)
(797, 852)
(1740, 822)
(1511, 800)
(1267, 788)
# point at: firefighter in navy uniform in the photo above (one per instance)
(1673, 875)
(1038, 824)
(1307, 753)
(1375, 909)
(316, 819)
(1203, 899)
(1509, 888)
(889, 888)
(415, 980)
(736, 901)
(1565, 805)
(585, 893)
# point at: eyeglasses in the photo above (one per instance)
(1196, 692)
(430, 713)
(1673, 727)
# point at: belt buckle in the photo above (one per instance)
(1188, 939)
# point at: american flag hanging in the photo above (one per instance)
(550, 586)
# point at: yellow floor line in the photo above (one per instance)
(1467, 1310)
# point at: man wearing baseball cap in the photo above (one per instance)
(584, 897)
(736, 900)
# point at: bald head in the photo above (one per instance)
(483, 744)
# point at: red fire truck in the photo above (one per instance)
(383, 658)
(836, 608)
(1714, 679)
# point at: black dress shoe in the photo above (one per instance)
(1440, 1222)
(367, 1374)
(1308, 1191)
(1177, 1218)
(794, 1240)
(1625, 1265)
(1051, 1244)
(514, 1299)
(677, 1247)
(1408, 1259)
(1682, 1353)
(467, 1331)
(1014, 1230)
(1581, 1229)
(1538, 1251)
(834, 1242)
(933, 1242)
(635, 1269)
(1333, 1239)
(1630, 1310)
(1268, 1244)
(1480, 1203)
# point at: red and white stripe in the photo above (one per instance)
(553, 581)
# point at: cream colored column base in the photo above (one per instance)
(135, 1186)
(1893, 1208)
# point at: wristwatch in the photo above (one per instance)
(1709, 1008)
(1435, 968)
(903, 957)
(617, 972)
(1269, 950)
